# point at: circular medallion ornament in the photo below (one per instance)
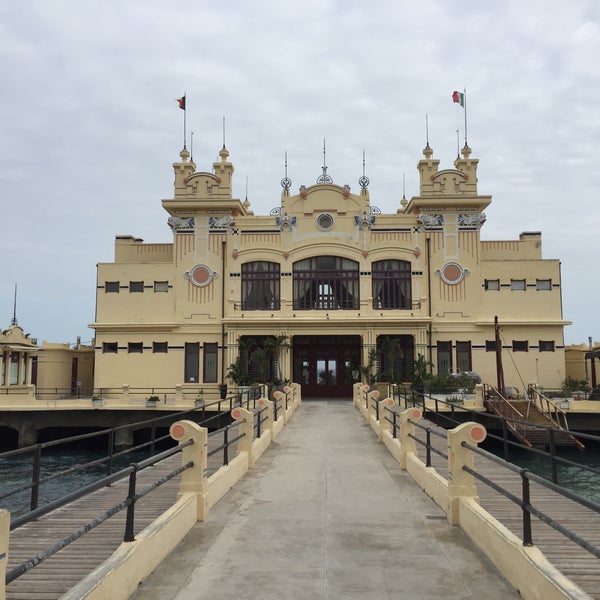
(200, 275)
(325, 222)
(452, 273)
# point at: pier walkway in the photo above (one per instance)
(326, 513)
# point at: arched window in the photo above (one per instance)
(260, 286)
(326, 283)
(392, 284)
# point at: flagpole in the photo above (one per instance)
(465, 107)
(184, 121)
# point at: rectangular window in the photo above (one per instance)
(111, 287)
(192, 364)
(136, 286)
(109, 347)
(517, 284)
(520, 346)
(260, 285)
(210, 363)
(463, 356)
(543, 284)
(158, 347)
(546, 346)
(161, 286)
(492, 284)
(135, 347)
(444, 357)
(490, 345)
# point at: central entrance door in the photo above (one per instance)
(326, 365)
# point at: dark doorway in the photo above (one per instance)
(326, 365)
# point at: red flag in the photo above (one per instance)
(458, 97)
(181, 102)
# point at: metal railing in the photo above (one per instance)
(446, 414)
(127, 503)
(524, 501)
(528, 509)
(209, 415)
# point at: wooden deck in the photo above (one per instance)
(55, 576)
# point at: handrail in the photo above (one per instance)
(525, 501)
(551, 407)
(128, 503)
(411, 398)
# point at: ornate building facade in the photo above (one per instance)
(335, 278)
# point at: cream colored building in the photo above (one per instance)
(49, 372)
(330, 271)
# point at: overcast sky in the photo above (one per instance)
(89, 126)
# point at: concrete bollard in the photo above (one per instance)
(384, 415)
(193, 480)
(247, 429)
(408, 444)
(460, 483)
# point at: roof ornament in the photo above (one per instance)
(324, 178)
(364, 180)
(14, 321)
(286, 182)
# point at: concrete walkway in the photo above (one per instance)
(326, 514)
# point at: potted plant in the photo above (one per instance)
(97, 400)
(152, 400)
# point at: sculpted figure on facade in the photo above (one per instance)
(471, 220)
(431, 220)
(220, 222)
(181, 223)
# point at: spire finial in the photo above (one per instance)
(364, 180)
(14, 319)
(286, 182)
(427, 129)
(324, 178)
(192, 145)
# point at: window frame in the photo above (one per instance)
(328, 282)
(136, 287)
(159, 284)
(546, 346)
(489, 287)
(490, 346)
(515, 285)
(540, 282)
(261, 285)
(210, 372)
(110, 347)
(112, 287)
(520, 346)
(391, 284)
(160, 347)
(135, 347)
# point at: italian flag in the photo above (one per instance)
(458, 97)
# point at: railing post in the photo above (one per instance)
(4, 537)
(246, 428)
(130, 518)
(35, 477)
(553, 462)
(384, 414)
(268, 405)
(193, 480)
(527, 537)
(460, 483)
(407, 443)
